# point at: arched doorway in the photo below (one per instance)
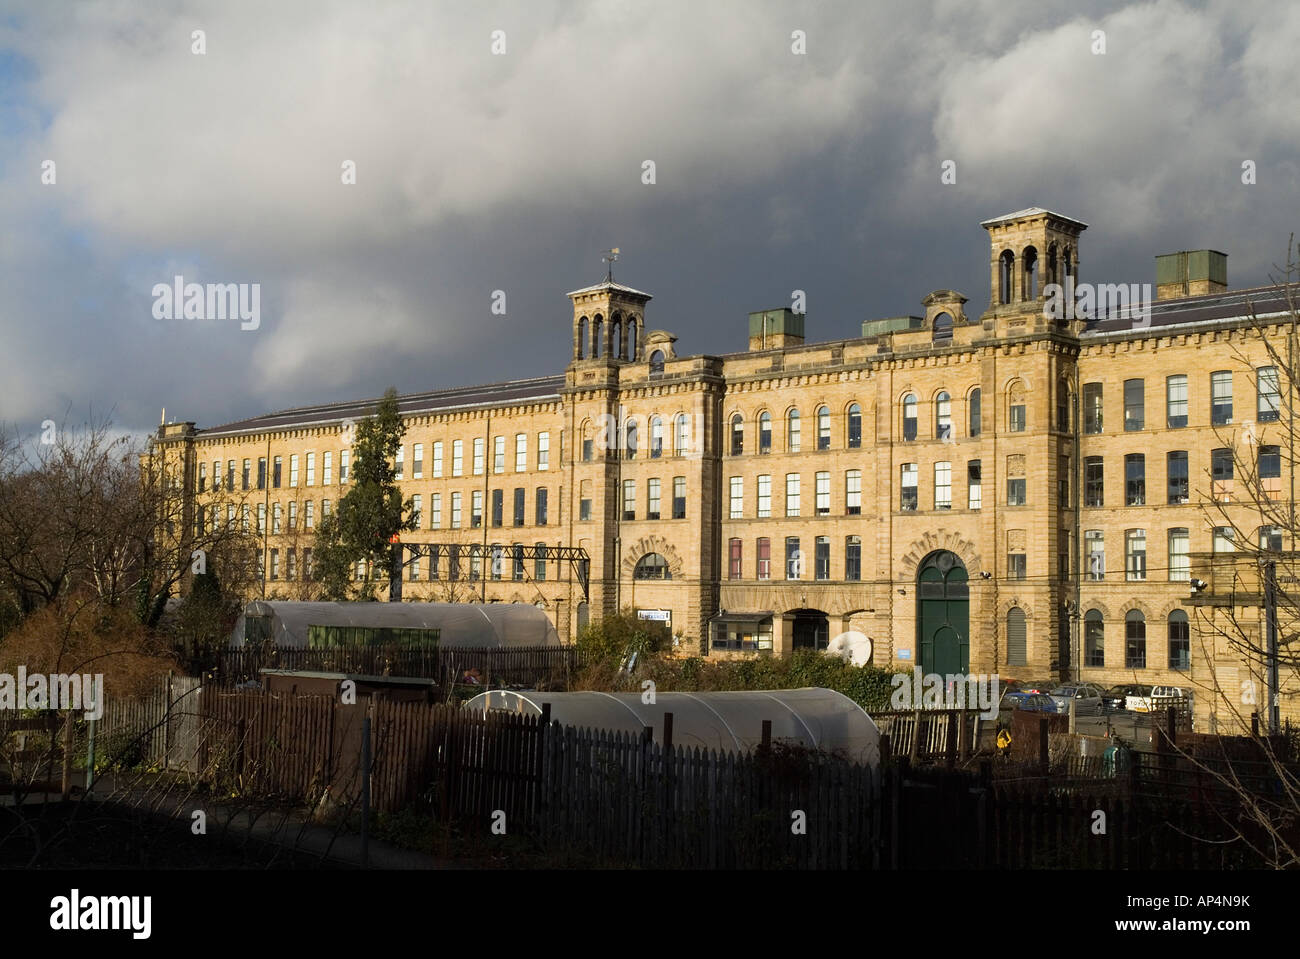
(810, 629)
(943, 614)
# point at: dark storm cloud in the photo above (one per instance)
(478, 173)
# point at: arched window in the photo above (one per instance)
(651, 566)
(909, 416)
(855, 426)
(1180, 641)
(657, 363)
(1016, 407)
(1063, 406)
(582, 338)
(975, 426)
(1052, 265)
(597, 337)
(616, 334)
(656, 437)
(1017, 638)
(631, 440)
(1006, 274)
(942, 331)
(823, 428)
(1067, 261)
(737, 435)
(792, 431)
(633, 348)
(681, 435)
(1031, 273)
(943, 416)
(765, 432)
(1094, 639)
(587, 441)
(1135, 640)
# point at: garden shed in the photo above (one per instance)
(727, 721)
(446, 625)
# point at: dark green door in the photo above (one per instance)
(943, 614)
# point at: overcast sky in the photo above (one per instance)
(479, 171)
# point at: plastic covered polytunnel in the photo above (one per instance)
(727, 721)
(463, 625)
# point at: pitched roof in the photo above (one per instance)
(492, 394)
(1229, 305)
(609, 285)
(1031, 211)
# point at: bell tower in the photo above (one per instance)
(608, 323)
(1029, 250)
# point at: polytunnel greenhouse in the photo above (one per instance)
(449, 625)
(726, 721)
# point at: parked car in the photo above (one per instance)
(1139, 699)
(1085, 696)
(1114, 698)
(1027, 686)
(1030, 702)
(1165, 697)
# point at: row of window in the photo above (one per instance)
(502, 562)
(1268, 401)
(208, 517)
(1268, 472)
(654, 505)
(1177, 627)
(796, 566)
(302, 467)
(794, 430)
(456, 503)
(794, 495)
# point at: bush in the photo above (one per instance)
(607, 641)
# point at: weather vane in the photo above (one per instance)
(609, 256)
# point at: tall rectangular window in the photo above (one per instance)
(943, 486)
(1176, 402)
(309, 514)
(277, 514)
(976, 421)
(230, 475)
(327, 468)
(311, 469)
(907, 487)
(853, 492)
(457, 457)
(1092, 407)
(203, 477)
(345, 458)
(539, 507)
(1224, 539)
(791, 494)
(1180, 555)
(764, 496)
(652, 499)
(261, 518)
(656, 438)
(853, 558)
(1176, 471)
(417, 461)
(1063, 481)
(416, 511)
(519, 505)
(764, 554)
(455, 510)
(1135, 555)
(476, 508)
(437, 459)
(1270, 471)
(498, 507)
(435, 511)
(1094, 544)
(543, 451)
(277, 472)
(1269, 398)
(1134, 405)
(399, 463)
(734, 559)
(293, 514)
(1094, 481)
(823, 488)
(498, 454)
(1017, 564)
(480, 446)
(539, 563)
(275, 564)
(822, 558)
(793, 558)
(247, 472)
(737, 497)
(521, 452)
(1221, 397)
(261, 472)
(1221, 475)
(974, 485)
(1015, 491)
(1135, 479)
(293, 470)
(1016, 418)
(629, 499)
(679, 497)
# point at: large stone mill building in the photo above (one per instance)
(987, 490)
